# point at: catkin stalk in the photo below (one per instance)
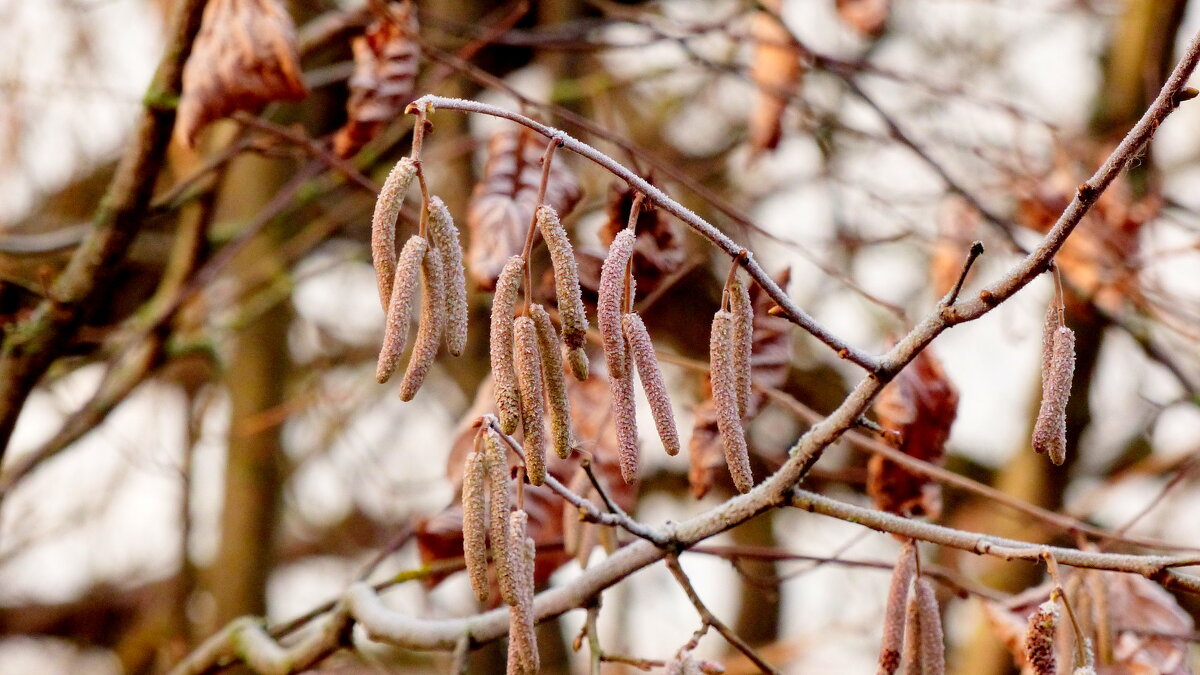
(1039, 639)
(609, 304)
(508, 400)
(383, 226)
(498, 504)
(724, 392)
(529, 382)
(566, 278)
(475, 523)
(429, 329)
(444, 236)
(642, 350)
(556, 385)
(1050, 430)
(743, 340)
(893, 618)
(395, 330)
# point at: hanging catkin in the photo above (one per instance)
(624, 410)
(383, 226)
(508, 576)
(609, 304)
(498, 502)
(893, 618)
(577, 359)
(475, 522)
(743, 340)
(556, 386)
(429, 329)
(642, 350)
(529, 382)
(724, 393)
(1050, 430)
(522, 640)
(1039, 639)
(933, 648)
(395, 329)
(444, 236)
(508, 401)
(566, 279)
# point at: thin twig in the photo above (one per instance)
(975, 252)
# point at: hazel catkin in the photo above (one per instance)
(444, 236)
(894, 618)
(609, 305)
(1050, 430)
(429, 328)
(1039, 639)
(566, 278)
(556, 386)
(522, 640)
(395, 330)
(528, 362)
(475, 522)
(932, 642)
(504, 377)
(625, 419)
(383, 225)
(499, 503)
(743, 340)
(724, 393)
(642, 351)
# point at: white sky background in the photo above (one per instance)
(109, 511)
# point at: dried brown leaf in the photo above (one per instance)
(503, 203)
(244, 57)
(919, 407)
(658, 252)
(777, 70)
(386, 59)
(866, 17)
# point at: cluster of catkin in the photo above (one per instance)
(437, 254)
(628, 349)
(912, 626)
(526, 359)
(487, 514)
(1040, 640)
(730, 350)
(1058, 368)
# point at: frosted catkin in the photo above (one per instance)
(912, 637)
(532, 389)
(724, 392)
(933, 646)
(521, 636)
(508, 401)
(566, 278)
(475, 523)
(444, 235)
(556, 386)
(609, 304)
(743, 340)
(403, 287)
(509, 575)
(642, 350)
(1039, 639)
(429, 329)
(625, 419)
(383, 225)
(498, 502)
(893, 618)
(577, 359)
(1050, 430)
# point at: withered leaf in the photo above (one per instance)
(504, 200)
(658, 250)
(776, 69)
(866, 17)
(918, 407)
(958, 224)
(244, 57)
(771, 357)
(386, 59)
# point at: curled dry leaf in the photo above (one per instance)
(658, 251)
(918, 408)
(386, 59)
(244, 57)
(770, 360)
(776, 70)
(866, 17)
(504, 200)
